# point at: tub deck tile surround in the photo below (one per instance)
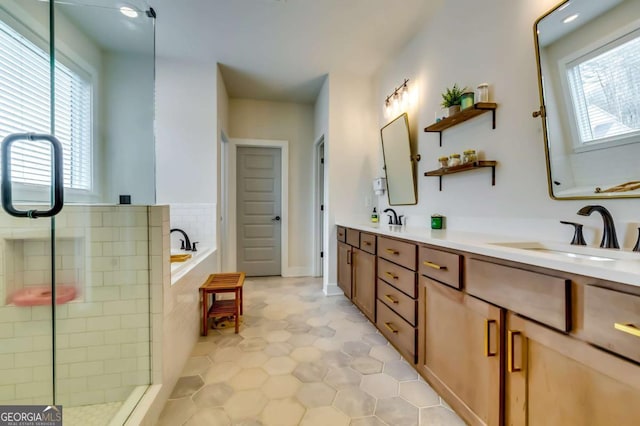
(319, 362)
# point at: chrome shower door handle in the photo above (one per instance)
(57, 181)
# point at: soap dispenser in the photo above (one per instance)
(374, 216)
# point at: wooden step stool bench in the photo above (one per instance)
(222, 283)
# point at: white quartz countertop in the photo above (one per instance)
(624, 268)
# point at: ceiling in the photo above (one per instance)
(552, 27)
(281, 49)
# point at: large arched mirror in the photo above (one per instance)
(588, 54)
(399, 164)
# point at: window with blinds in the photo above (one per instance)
(605, 91)
(25, 107)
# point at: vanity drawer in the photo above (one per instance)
(401, 278)
(399, 332)
(368, 242)
(441, 266)
(399, 302)
(398, 252)
(342, 234)
(612, 321)
(543, 298)
(353, 237)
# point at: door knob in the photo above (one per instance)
(277, 219)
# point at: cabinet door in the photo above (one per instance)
(344, 268)
(364, 282)
(459, 350)
(553, 379)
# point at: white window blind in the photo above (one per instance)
(605, 91)
(25, 107)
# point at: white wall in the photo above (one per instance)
(186, 132)
(351, 143)
(496, 46)
(128, 133)
(253, 119)
(223, 125)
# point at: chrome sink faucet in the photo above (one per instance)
(609, 238)
(186, 243)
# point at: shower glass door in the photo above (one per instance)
(27, 276)
(74, 287)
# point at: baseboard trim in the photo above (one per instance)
(332, 289)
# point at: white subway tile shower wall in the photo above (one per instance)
(102, 337)
(198, 220)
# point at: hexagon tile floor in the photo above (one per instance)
(301, 358)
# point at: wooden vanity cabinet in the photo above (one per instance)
(345, 255)
(504, 343)
(397, 294)
(357, 269)
(553, 379)
(460, 350)
(363, 292)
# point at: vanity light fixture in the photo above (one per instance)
(398, 101)
(570, 18)
(129, 12)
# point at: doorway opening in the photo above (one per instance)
(257, 224)
(319, 208)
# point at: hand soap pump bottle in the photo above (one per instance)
(374, 216)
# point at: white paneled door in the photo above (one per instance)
(259, 182)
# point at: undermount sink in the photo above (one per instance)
(574, 252)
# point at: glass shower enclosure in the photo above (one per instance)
(76, 124)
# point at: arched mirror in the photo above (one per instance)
(399, 164)
(588, 54)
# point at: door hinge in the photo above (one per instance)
(321, 207)
(321, 254)
(322, 161)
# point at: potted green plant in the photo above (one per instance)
(452, 98)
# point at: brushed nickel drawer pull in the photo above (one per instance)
(434, 265)
(390, 275)
(627, 328)
(487, 337)
(392, 251)
(391, 299)
(390, 327)
(510, 351)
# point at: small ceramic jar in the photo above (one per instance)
(454, 160)
(469, 156)
(443, 161)
(483, 92)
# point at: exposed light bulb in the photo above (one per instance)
(406, 98)
(387, 109)
(128, 12)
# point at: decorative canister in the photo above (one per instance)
(454, 160)
(443, 161)
(483, 92)
(469, 156)
(466, 100)
(437, 221)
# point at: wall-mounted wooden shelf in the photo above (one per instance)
(463, 168)
(462, 116)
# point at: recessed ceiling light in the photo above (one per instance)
(570, 18)
(564, 6)
(128, 12)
